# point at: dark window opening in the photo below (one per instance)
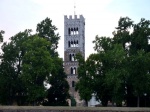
(70, 57)
(71, 31)
(73, 44)
(68, 43)
(77, 32)
(73, 83)
(71, 70)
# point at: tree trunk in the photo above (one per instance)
(138, 101)
(86, 103)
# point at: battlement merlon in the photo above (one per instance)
(73, 18)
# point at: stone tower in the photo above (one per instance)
(74, 42)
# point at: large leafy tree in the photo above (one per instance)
(97, 75)
(83, 85)
(121, 64)
(136, 45)
(58, 82)
(116, 73)
(25, 64)
(58, 91)
(36, 67)
(11, 66)
(28, 61)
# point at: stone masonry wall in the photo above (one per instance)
(70, 109)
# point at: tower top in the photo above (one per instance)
(75, 17)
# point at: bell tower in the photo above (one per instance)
(74, 42)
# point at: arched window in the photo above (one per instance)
(73, 83)
(74, 70)
(74, 43)
(74, 31)
(71, 31)
(77, 41)
(77, 45)
(71, 70)
(68, 43)
(77, 32)
(70, 57)
(71, 43)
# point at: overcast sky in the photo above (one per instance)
(101, 16)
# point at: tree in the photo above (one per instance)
(135, 43)
(117, 74)
(46, 30)
(83, 85)
(11, 66)
(114, 68)
(27, 62)
(58, 91)
(36, 67)
(139, 75)
(97, 73)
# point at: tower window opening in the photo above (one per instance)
(70, 57)
(72, 32)
(74, 43)
(71, 43)
(68, 43)
(77, 45)
(71, 70)
(73, 83)
(69, 31)
(77, 32)
(74, 70)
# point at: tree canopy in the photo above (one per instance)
(120, 70)
(28, 63)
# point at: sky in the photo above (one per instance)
(101, 16)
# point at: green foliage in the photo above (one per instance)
(11, 70)
(120, 70)
(83, 85)
(36, 66)
(1, 35)
(27, 62)
(46, 30)
(116, 73)
(59, 86)
(58, 92)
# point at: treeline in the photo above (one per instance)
(119, 71)
(31, 72)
